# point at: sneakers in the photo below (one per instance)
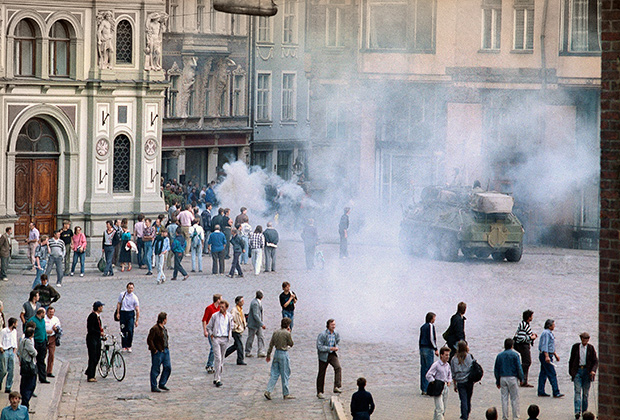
(267, 395)
(5, 279)
(337, 391)
(320, 396)
(262, 355)
(210, 369)
(164, 388)
(558, 396)
(71, 274)
(58, 285)
(81, 274)
(289, 397)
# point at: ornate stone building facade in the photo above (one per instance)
(206, 62)
(81, 107)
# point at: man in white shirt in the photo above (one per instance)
(185, 221)
(8, 349)
(220, 329)
(440, 371)
(128, 307)
(197, 241)
(52, 325)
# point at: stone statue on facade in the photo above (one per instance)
(105, 39)
(188, 78)
(221, 84)
(155, 27)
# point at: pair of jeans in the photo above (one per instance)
(582, 389)
(509, 387)
(26, 388)
(211, 356)
(257, 260)
(288, 314)
(159, 360)
(55, 261)
(427, 357)
(237, 346)
(270, 258)
(4, 265)
(258, 332)
(244, 256)
(37, 279)
(218, 261)
(148, 255)
(465, 390)
(178, 268)
(228, 234)
(81, 257)
(197, 257)
(127, 321)
(235, 265)
(280, 367)
(159, 265)
(108, 251)
(332, 359)
(547, 371)
(7, 367)
(140, 246)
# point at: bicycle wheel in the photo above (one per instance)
(104, 366)
(118, 366)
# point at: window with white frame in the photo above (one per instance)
(407, 25)
(200, 14)
(265, 29)
(289, 22)
(289, 92)
(333, 26)
(263, 97)
(336, 115)
(581, 24)
(174, 16)
(60, 46)
(524, 25)
(491, 24)
(238, 95)
(25, 49)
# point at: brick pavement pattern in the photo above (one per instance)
(378, 309)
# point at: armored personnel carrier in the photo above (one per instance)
(451, 219)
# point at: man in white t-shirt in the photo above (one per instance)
(8, 349)
(52, 326)
(128, 307)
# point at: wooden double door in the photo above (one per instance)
(36, 195)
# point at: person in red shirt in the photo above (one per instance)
(209, 311)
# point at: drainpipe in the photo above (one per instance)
(543, 33)
(251, 81)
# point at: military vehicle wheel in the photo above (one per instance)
(514, 254)
(469, 254)
(449, 247)
(498, 256)
(483, 254)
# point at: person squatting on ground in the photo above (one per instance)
(362, 404)
(546, 347)
(257, 243)
(238, 250)
(428, 348)
(27, 366)
(582, 366)
(8, 350)
(327, 348)
(281, 366)
(239, 326)
(440, 371)
(220, 328)
(94, 335)
(461, 368)
(40, 344)
(157, 341)
(508, 375)
(271, 246)
(53, 329)
(128, 307)
(216, 243)
(209, 311)
(256, 326)
(524, 339)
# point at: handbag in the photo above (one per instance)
(27, 369)
(435, 388)
(117, 315)
(101, 264)
(476, 372)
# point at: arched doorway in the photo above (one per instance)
(36, 177)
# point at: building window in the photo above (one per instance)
(200, 12)
(25, 49)
(263, 97)
(524, 25)
(174, 15)
(190, 102)
(491, 24)
(400, 25)
(208, 93)
(288, 96)
(173, 92)
(265, 29)
(122, 157)
(60, 43)
(260, 159)
(284, 164)
(122, 114)
(333, 27)
(238, 104)
(124, 42)
(582, 30)
(336, 116)
(289, 22)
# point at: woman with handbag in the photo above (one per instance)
(78, 244)
(461, 367)
(125, 256)
(28, 371)
(439, 377)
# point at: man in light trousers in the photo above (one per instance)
(440, 371)
(271, 245)
(256, 326)
(281, 366)
(220, 329)
(508, 375)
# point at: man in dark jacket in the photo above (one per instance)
(160, 355)
(205, 218)
(93, 340)
(343, 231)
(217, 220)
(362, 405)
(271, 245)
(582, 367)
(238, 249)
(456, 330)
(47, 294)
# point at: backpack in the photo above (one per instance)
(476, 372)
(195, 239)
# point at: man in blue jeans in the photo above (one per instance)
(428, 349)
(288, 300)
(281, 366)
(160, 355)
(582, 367)
(546, 346)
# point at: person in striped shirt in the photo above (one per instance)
(524, 338)
(57, 251)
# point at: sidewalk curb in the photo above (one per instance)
(337, 408)
(51, 411)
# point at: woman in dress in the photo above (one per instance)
(125, 256)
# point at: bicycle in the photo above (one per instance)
(111, 357)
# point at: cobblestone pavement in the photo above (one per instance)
(378, 298)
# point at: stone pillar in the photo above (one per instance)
(609, 245)
(212, 164)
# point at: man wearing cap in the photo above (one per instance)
(93, 339)
(582, 367)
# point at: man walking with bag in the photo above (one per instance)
(440, 371)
